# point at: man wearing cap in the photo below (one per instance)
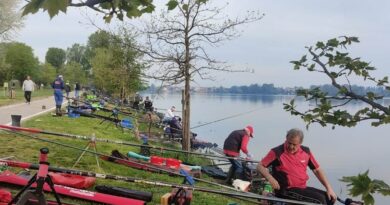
(58, 86)
(236, 141)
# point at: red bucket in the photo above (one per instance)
(173, 163)
(156, 160)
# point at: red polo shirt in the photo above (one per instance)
(294, 166)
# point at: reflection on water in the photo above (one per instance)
(341, 152)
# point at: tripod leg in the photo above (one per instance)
(30, 194)
(96, 157)
(42, 200)
(30, 182)
(81, 155)
(51, 184)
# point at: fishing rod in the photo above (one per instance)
(26, 165)
(167, 109)
(102, 108)
(349, 201)
(148, 167)
(225, 118)
(114, 120)
(34, 130)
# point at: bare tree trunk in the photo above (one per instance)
(186, 145)
(186, 103)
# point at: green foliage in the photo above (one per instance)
(363, 186)
(56, 57)
(173, 4)
(20, 61)
(109, 8)
(327, 58)
(47, 74)
(78, 53)
(73, 72)
(99, 39)
(116, 64)
(4, 67)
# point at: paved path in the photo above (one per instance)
(27, 111)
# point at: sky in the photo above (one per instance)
(266, 46)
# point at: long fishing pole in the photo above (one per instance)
(101, 108)
(34, 130)
(225, 118)
(148, 167)
(26, 165)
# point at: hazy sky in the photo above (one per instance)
(267, 46)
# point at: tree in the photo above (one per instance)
(109, 8)
(10, 18)
(99, 39)
(47, 74)
(21, 61)
(56, 57)
(176, 43)
(77, 53)
(5, 72)
(328, 59)
(116, 68)
(74, 72)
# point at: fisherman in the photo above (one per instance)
(236, 141)
(137, 100)
(175, 125)
(148, 104)
(176, 129)
(58, 86)
(77, 89)
(289, 162)
(67, 88)
(169, 114)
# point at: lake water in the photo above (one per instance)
(340, 151)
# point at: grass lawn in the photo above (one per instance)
(27, 149)
(5, 100)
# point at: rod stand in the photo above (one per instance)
(40, 178)
(91, 143)
(115, 115)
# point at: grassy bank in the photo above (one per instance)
(5, 100)
(27, 149)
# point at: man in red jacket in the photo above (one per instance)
(236, 141)
(289, 162)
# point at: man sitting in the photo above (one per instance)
(289, 162)
(175, 125)
(148, 104)
(169, 115)
(176, 129)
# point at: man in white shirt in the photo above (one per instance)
(169, 114)
(28, 88)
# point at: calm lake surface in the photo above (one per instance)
(340, 151)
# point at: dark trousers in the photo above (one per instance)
(308, 194)
(235, 171)
(27, 96)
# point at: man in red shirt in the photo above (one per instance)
(289, 163)
(236, 141)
